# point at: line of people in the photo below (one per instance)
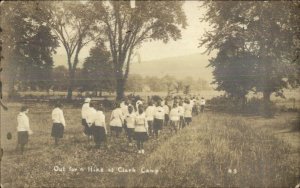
(138, 122)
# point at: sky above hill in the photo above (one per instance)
(188, 44)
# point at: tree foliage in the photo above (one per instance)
(28, 46)
(257, 44)
(127, 28)
(98, 70)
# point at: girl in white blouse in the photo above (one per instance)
(159, 116)
(141, 129)
(59, 123)
(174, 118)
(150, 110)
(23, 128)
(116, 120)
(188, 108)
(99, 130)
(130, 124)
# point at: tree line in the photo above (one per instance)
(32, 31)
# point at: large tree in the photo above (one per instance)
(264, 43)
(127, 28)
(72, 23)
(28, 46)
(98, 70)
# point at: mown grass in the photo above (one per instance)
(198, 156)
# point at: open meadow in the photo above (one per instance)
(217, 150)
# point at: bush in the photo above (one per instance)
(253, 106)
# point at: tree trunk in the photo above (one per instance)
(71, 84)
(120, 88)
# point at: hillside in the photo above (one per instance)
(182, 66)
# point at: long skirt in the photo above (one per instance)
(23, 137)
(87, 130)
(188, 119)
(99, 134)
(57, 130)
(141, 136)
(157, 124)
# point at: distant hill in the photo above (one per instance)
(182, 66)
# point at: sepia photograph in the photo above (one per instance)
(149, 93)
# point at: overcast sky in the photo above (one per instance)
(188, 44)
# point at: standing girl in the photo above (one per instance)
(150, 116)
(129, 121)
(84, 110)
(59, 123)
(188, 108)
(99, 129)
(116, 120)
(141, 129)
(166, 110)
(159, 116)
(174, 117)
(181, 114)
(23, 128)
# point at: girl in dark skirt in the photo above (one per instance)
(23, 128)
(116, 120)
(129, 121)
(159, 116)
(141, 129)
(58, 123)
(99, 130)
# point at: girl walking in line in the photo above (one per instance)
(166, 110)
(159, 116)
(100, 130)
(84, 110)
(174, 117)
(23, 128)
(116, 120)
(59, 123)
(141, 129)
(90, 120)
(150, 116)
(188, 108)
(129, 121)
(181, 114)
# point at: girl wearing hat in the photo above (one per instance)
(58, 123)
(141, 129)
(23, 128)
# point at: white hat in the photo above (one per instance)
(87, 100)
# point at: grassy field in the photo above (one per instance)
(262, 152)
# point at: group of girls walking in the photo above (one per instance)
(138, 122)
